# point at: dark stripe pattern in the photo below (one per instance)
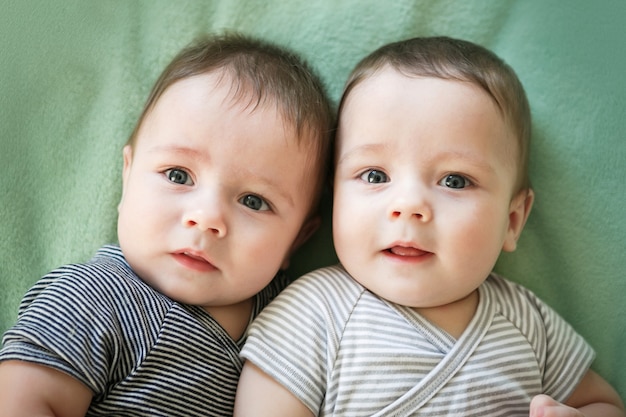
(141, 353)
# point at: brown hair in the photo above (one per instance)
(455, 59)
(260, 72)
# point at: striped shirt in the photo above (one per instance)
(343, 351)
(141, 353)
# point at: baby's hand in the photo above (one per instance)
(545, 406)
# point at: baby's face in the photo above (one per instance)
(214, 194)
(423, 188)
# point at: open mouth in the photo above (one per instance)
(407, 252)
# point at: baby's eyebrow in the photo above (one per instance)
(365, 149)
(181, 150)
(467, 157)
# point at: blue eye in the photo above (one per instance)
(178, 176)
(455, 181)
(374, 176)
(254, 202)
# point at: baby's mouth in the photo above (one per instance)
(194, 260)
(195, 257)
(406, 251)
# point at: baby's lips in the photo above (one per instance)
(406, 251)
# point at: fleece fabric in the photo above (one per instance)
(74, 75)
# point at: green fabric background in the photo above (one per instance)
(74, 75)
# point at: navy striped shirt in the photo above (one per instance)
(141, 353)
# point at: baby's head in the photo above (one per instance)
(431, 180)
(459, 60)
(224, 170)
(260, 73)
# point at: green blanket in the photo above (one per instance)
(74, 75)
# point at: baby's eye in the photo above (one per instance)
(254, 202)
(178, 176)
(374, 176)
(455, 181)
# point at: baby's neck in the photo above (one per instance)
(454, 317)
(233, 318)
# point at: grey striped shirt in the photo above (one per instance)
(345, 352)
(141, 353)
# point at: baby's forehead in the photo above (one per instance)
(390, 85)
(416, 102)
(235, 92)
(387, 77)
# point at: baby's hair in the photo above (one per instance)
(459, 60)
(263, 73)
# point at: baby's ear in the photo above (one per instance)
(519, 210)
(128, 159)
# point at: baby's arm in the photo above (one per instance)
(593, 397)
(28, 389)
(259, 395)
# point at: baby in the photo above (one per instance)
(430, 185)
(221, 181)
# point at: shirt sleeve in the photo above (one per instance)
(296, 338)
(66, 324)
(567, 355)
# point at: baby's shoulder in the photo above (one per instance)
(520, 306)
(106, 272)
(105, 283)
(509, 294)
(317, 295)
(326, 282)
